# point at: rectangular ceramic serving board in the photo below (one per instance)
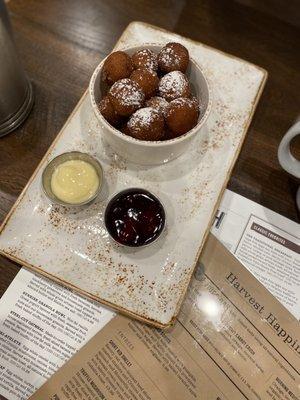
(73, 247)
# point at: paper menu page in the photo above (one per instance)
(233, 340)
(16, 383)
(41, 326)
(267, 243)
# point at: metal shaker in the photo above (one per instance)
(16, 96)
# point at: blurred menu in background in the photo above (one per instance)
(42, 325)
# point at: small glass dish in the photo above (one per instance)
(53, 164)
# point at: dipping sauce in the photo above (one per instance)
(75, 181)
(134, 217)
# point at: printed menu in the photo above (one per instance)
(232, 340)
(266, 243)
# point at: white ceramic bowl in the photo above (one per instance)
(152, 152)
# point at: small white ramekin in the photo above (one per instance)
(152, 152)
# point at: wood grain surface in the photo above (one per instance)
(61, 42)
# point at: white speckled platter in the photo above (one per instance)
(73, 247)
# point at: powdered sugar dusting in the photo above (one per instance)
(127, 93)
(195, 101)
(173, 85)
(144, 117)
(169, 58)
(145, 59)
(182, 101)
(159, 103)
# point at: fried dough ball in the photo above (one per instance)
(106, 108)
(173, 57)
(126, 97)
(147, 79)
(144, 59)
(181, 116)
(146, 124)
(159, 103)
(117, 66)
(173, 85)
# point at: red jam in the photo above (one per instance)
(134, 217)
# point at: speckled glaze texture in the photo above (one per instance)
(72, 245)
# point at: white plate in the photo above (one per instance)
(73, 247)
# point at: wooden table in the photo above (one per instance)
(61, 42)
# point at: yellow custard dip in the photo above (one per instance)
(75, 181)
